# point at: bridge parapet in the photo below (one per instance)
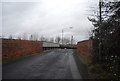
(68, 46)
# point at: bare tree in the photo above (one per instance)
(51, 40)
(42, 38)
(19, 37)
(66, 41)
(11, 36)
(57, 39)
(35, 37)
(31, 37)
(25, 36)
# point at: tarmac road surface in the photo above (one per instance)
(55, 64)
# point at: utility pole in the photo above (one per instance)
(100, 2)
(71, 40)
(62, 36)
(100, 21)
(63, 32)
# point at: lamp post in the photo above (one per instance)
(63, 32)
(71, 40)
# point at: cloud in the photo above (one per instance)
(47, 17)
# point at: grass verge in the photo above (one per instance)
(5, 61)
(96, 72)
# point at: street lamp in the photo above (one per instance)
(63, 32)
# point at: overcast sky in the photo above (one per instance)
(47, 18)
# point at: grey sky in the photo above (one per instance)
(47, 18)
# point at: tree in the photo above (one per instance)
(57, 39)
(31, 37)
(42, 38)
(25, 36)
(107, 37)
(34, 37)
(19, 37)
(11, 36)
(66, 41)
(51, 40)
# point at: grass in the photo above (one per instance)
(5, 61)
(97, 72)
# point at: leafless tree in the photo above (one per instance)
(19, 37)
(11, 36)
(42, 38)
(51, 40)
(31, 37)
(35, 37)
(25, 36)
(57, 39)
(66, 41)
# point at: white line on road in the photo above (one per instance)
(66, 54)
(74, 69)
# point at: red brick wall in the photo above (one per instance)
(84, 49)
(12, 48)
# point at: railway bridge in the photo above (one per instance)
(49, 45)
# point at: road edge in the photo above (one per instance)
(82, 70)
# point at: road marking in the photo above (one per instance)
(74, 69)
(66, 54)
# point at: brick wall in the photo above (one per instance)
(12, 48)
(84, 49)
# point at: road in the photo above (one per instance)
(56, 64)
